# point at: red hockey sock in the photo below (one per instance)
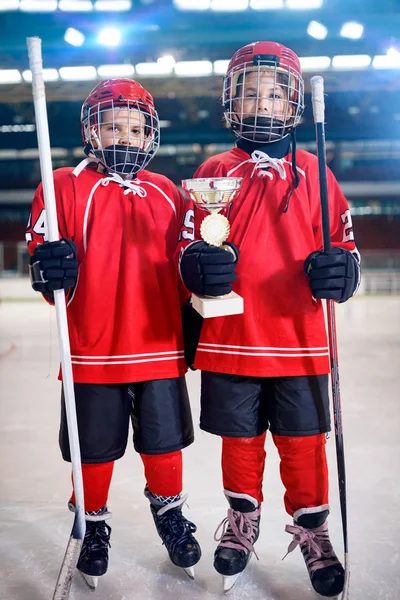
(304, 470)
(163, 473)
(243, 461)
(96, 483)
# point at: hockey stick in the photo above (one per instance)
(317, 90)
(63, 585)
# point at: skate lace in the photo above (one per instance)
(315, 546)
(97, 537)
(174, 529)
(238, 530)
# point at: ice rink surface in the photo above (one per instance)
(35, 483)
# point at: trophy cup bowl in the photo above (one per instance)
(212, 194)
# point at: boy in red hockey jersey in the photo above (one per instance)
(119, 226)
(267, 368)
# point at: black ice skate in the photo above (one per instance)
(240, 530)
(93, 559)
(310, 531)
(175, 531)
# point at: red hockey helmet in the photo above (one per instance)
(105, 99)
(284, 66)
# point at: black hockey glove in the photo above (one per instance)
(334, 274)
(209, 270)
(54, 266)
(192, 323)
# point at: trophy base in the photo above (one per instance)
(222, 306)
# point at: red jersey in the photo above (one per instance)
(282, 330)
(124, 315)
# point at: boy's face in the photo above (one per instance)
(122, 126)
(262, 95)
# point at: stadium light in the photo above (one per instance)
(220, 67)
(153, 69)
(75, 5)
(229, 5)
(193, 68)
(352, 30)
(48, 75)
(10, 76)
(304, 4)
(116, 70)
(266, 4)
(9, 5)
(78, 73)
(38, 5)
(109, 36)
(74, 37)
(317, 30)
(192, 4)
(351, 61)
(166, 61)
(391, 60)
(315, 63)
(114, 5)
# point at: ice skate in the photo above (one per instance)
(93, 559)
(175, 531)
(310, 531)
(240, 530)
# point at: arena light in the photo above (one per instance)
(153, 69)
(109, 36)
(266, 4)
(167, 61)
(192, 4)
(9, 5)
(352, 30)
(78, 73)
(48, 75)
(115, 70)
(229, 5)
(391, 60)
(193, 68)
(351, 61)
(317, 30)
(38, 5)
(220, 67)
(113, 5)
(315, 63)
(27, 128)
(74, 37)
(75, 5)
(10, 76)
(304, 4)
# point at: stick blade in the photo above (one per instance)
(66, 574)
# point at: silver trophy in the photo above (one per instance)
(213, 194)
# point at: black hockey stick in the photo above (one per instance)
(317, 89)
(75, 541)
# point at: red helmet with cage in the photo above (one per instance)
(284, 65)
(105, 99)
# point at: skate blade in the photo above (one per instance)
(189, 572)
(90, 581)
(229, 581)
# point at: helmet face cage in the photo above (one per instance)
(122, 134)
(263, 99)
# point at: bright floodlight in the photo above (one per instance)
(193, 68)
(304, 4)
(114, 5)
(78, 73)
(352, 30)
(220, 67)
(192, 4)
(229, 5)
(9, 5)
(153, 69)
(75, 5)
(10, 76)
(266, 4)
(74, 37)
(110, 36)
(351, 61)
(317, 30)
(315, 63)
(167, 61)
(38, 5)
(116, 70)
(48, 75)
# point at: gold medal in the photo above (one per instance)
(215, 229)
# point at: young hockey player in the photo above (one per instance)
(267, 368)
(116, 260)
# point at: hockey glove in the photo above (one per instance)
(191, 323)
(209, 270)
(54, 266)
(334, 274)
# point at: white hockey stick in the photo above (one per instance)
(63, 585)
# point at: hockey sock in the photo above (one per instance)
(243, 461)
(96, 484)
(163, 473)
(304, 471)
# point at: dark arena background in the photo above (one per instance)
(179, 51)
